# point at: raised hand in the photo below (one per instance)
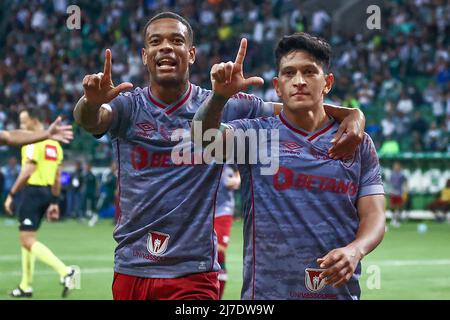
(228, 79)
(60, 133)
(99, 88)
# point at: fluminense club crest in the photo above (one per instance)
(157, 242)
(312, 280)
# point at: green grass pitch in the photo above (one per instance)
(410, 265)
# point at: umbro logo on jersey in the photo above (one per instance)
(312, 280)
(146, 126)
(157, 242)
(27, 222)
(290, 147)
(146, 129)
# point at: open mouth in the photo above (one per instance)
(166, 63)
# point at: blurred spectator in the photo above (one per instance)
(433, 138)
(2, 190)
(106, 199)
(419, 128)
(405, 104)
(90, 191)
(389, 147)
(11, 172)
(365, 96)
(441, 206)
(74, 195)
(397, 184)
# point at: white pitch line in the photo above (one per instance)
(69, 258)
(399, 263)
(388, 263)
(51, 272)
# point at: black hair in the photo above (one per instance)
(35, 113)
(169, 15)
(318, 48)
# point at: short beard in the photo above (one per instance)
(171, 82)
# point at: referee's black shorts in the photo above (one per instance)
(32, 208)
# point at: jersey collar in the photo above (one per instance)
(310, 136)
(169, 108)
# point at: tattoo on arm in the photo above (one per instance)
(209, 114)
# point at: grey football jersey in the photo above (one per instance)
(303, 211)
(165, 228)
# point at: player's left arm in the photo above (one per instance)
(340, 263)
(21, 181)
(350, 133)
(53, 208)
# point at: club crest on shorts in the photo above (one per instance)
(157, 242)
(312, 281)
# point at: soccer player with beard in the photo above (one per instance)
(166, 245)
(307, 227)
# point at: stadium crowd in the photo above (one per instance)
(398, 75)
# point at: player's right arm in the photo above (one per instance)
(98, 89)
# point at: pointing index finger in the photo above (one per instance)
(241, 53)
(107, 68)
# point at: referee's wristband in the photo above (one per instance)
(54, 200)
(11, 194)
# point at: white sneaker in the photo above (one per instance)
(93, 220)
(72, 280)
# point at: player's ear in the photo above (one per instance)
(275, 85)
(329, 80)
(192, 52)
(144, 56)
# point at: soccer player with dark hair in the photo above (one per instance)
(20, 137)
(40, 185)
(166, 246)
(306, 227)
